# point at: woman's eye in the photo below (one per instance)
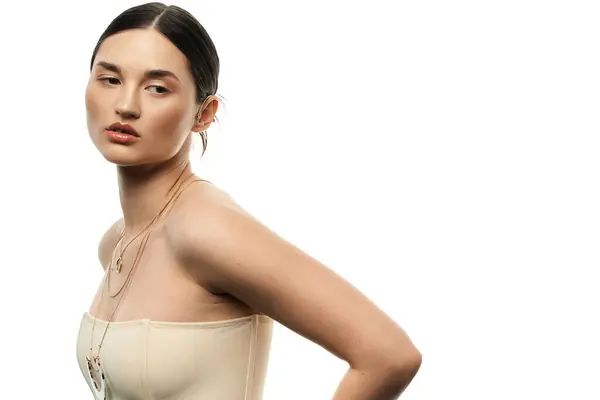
(158, 89)
(110, 80)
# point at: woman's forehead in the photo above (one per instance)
(139, 50)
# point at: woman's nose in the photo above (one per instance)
(127, 106)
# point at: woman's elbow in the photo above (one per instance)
(409, 364)
(403, 365)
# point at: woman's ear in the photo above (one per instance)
(206, 114)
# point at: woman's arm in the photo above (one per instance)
(235, 253)
(362, 384)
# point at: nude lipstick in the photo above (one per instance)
(122, 133)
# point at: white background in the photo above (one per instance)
(441, 155)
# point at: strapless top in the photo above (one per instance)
(151, 360)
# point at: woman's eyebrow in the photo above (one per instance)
(151, 73)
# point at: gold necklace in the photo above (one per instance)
(135, 260)
(95, 371)
(119, 263)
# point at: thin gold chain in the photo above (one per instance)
(141, 249)
(119, 262)
(109, 272)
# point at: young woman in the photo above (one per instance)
(193, 282)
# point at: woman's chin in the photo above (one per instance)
(122, 158)
(132, 156)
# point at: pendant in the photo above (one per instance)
(119, 263)
(96, 375)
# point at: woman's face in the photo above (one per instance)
(141, 79)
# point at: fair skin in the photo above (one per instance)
(209, 259)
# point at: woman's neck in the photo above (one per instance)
(144, 191)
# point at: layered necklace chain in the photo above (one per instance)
(95, 370)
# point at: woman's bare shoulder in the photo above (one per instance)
(203, 210)
(200, 200)
(108, 241)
